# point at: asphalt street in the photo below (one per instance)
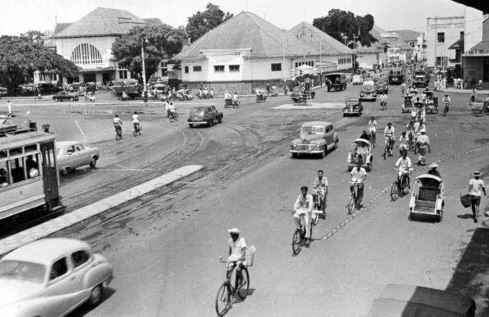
(166, 262)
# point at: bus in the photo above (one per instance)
(28, 171)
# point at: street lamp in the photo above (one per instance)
(345, 37)
(144, 66)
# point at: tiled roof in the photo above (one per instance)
(407, 35)
(458, 45)
(247, 31)
(101, 21)
(481, 46)
(155, 21)
(376, 31)
(320, 41)
(60, 27)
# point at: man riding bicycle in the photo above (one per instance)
(383, 101)
(358, 176)
(372, 129)
(423, 144)
(303, 207)
(389, 135)
(403, 142)
(117, 125)
(136, 122)
(237, 250)
(446, 102)
(405, 167)
(320, 190)
(172, 110)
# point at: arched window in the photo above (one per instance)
(86, 54)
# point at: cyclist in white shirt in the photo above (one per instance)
(117, 122)
(358, 175)
(383, 100)
(303, 207)
(390, 136)
(372, 129)
(136, 121)
(423, 144)
(237, 250)
(446, 102)
(405, 167)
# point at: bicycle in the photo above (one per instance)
(372, 137)
(229, 294)
(118, 133)
(397, 188)
(173, 116)
(319, 210)
(353, 200)
(137, 128)
(389, 145)
(236, 104)
(445, 109)
(383, 105)
(299, 236)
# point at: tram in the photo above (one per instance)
(28, 172)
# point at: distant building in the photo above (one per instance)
(247, 52)
(441, 33)
(475, 60)
(88, 43)
(420, 47)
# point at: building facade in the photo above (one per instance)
(441, 33)
(475, 60)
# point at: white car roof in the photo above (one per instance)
(46, 251)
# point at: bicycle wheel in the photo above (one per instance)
(243, 286)
(223, 299)
(296, 242)
(394, 191)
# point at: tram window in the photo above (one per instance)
(17, 170)
(4, 179)
(51, 158)
(30, 148)
(15, 151)
(3, 154)
(32, 166)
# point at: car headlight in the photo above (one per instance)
(361, 94)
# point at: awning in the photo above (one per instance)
(458, 45)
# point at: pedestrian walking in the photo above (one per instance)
(476, 189)
(9, 109)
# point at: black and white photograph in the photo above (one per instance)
(244, 158)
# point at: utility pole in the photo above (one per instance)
(143, 65)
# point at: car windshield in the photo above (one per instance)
(368, 88)
(351, 102)
(24, 271)
(312, 130)
(197, 112)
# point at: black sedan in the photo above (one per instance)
(65, 95)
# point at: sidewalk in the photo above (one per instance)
(465, 91)
(52, 226)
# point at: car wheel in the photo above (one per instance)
(219, 119)
(294, 155)
(96, 295)
(93, 162)
(190, 125)
(211, 122)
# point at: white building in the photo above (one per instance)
(441, 33)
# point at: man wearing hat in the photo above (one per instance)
(476, 189)
(423, 143)
(303, 207)
(237, 249)
(433, 170)
(446, 102)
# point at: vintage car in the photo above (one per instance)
(361, 149)
(316, 137)
(357, 80)
(73, 154)
(427, 198)
(52, 277)
(407, 104)
(298, 96)
(204, 115)
(368, 92)
(381, 87)
(353, 107)
(336, 81)
(65, 95)
(398, 300)
(396, 75)
(421, 79)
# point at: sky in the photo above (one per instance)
(19, 16)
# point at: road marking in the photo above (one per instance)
(81, 131)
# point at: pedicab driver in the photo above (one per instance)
(237, 250)
(358, 175)
(303, 207)
(404, 165)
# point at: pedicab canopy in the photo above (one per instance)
(416, 301)
(362, 142)
(260, 91)
(428, 180)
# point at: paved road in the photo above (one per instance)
(166, 264)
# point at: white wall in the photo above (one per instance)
(451, 26)
(65, 47)
(473, 27)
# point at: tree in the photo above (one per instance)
(21, 56)
(339, 22)
(202, 22)
(33, 36)
(160, 42)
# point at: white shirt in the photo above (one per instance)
(404, 164)
(9, 107)
(358, 175)
(236, 249)
(235, 97)
(172, 108)
(477, 185)
(372, 125)
(117, 121)
(389, 132)
(304, 202)
(136, 118)
(423, 139)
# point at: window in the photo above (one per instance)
(123, 74)
(80, 257)
(461, 34)
(234, 68)
(58, 269)
(4, 177)
(197, 68)
(86, 54)
(164, 72)
(186, 69)
(218, 68)
(441, 37)
(32, 166)
(17, 170)
(276, 67)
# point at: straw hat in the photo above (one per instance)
(477, 174)
(234, 230)
(433, 165)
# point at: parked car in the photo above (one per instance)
(353, 107)
(72, 154)
(406, 300)
(52, 277)
(316, 137)
(368, 91)
(65, 95)
(204, 115)
(336, 81)
(357, 80)
(381, 87)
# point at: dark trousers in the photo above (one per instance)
(475, 202)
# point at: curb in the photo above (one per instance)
(48, 228)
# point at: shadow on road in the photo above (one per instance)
(471, 276)
(465, 216)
